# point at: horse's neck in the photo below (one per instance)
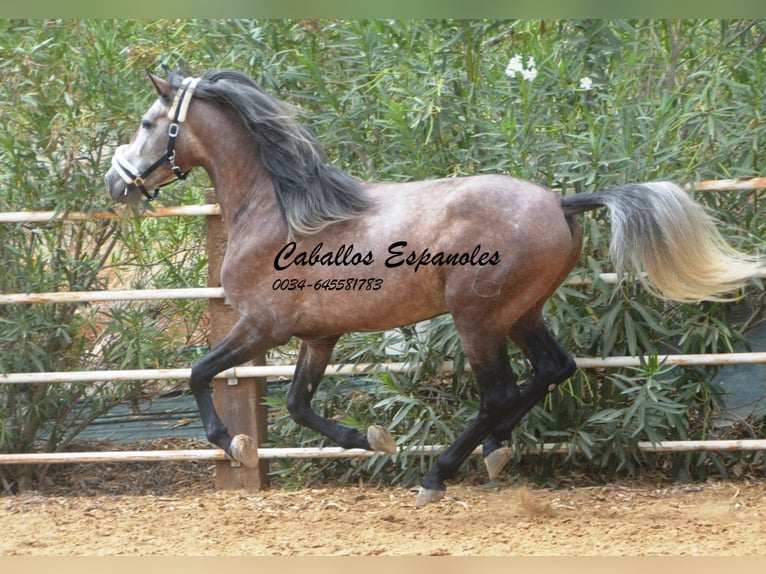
(244, 190)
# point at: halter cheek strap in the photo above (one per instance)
(177, 115)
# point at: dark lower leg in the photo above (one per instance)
(311, 364)
(239, 346)
(552, 365)
(448, 462)
(497, 386)
(215, 431)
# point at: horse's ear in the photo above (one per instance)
(162, 86)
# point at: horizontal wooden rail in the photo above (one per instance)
(116, 295)
(359, 369)
(59, 216)
(749, 184)
(196, 455)
(167, 294)
(186, 293)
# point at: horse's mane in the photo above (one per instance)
(311, 193)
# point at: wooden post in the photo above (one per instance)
(239, 401)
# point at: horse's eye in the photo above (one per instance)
(146, 124)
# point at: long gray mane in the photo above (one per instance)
(311, 193)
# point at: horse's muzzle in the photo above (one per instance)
(119, 190)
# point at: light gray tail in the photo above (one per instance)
(660, 231)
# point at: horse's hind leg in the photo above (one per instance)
(498, 392)
(310, 367)
(552, 365)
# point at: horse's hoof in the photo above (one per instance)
(427, 496)
(496, 461)
(244, 450)
(381, 439)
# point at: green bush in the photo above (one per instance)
(594, 104)
(63, 100)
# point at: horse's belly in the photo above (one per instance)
(360, 303)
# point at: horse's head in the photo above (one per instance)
(160, 151)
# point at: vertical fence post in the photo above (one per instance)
(239, 401)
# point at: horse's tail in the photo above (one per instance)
(658, 229)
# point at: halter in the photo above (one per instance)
(177, 114)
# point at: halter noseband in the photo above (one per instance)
(177, 114)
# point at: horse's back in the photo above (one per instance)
(502, 212)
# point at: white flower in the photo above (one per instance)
(586, 83)
(514, 66)
(529, 74)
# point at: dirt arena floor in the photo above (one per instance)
(118, 510)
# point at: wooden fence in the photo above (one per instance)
(238, 391)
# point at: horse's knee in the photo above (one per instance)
(198, 380)
(556, 373)
(569, 367)
(203, 371)
(299, 410)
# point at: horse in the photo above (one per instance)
(314, 253)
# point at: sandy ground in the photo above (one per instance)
(718, 518)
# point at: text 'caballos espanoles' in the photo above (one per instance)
(397, 255)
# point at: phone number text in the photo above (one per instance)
(344, 284)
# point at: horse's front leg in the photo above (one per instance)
(243, 343)
(310, 367)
